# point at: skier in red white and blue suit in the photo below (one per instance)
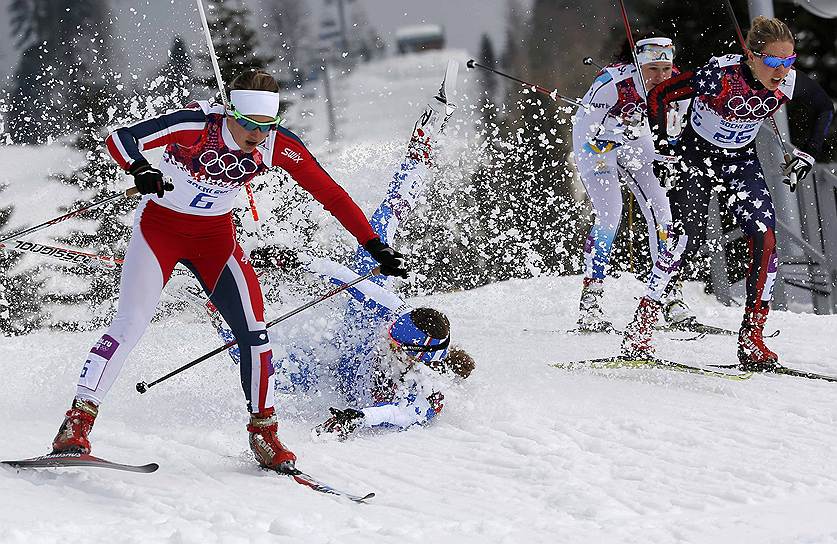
(731, 96)
(209, 155)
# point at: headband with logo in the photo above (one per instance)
(654, 50)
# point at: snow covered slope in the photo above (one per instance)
(522, 453)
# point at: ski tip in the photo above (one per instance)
(365, 497)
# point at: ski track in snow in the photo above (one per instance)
(522, 453)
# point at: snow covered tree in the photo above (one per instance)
(108, 234)
(172, 84)
(21, 308)
(235, 42)
(64, 67)
(289, 33)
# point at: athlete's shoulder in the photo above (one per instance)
(788, 85)
(285, 149)
(708, 78)
(285, 135)
(204, 106)
(725, 60)
(620, 72)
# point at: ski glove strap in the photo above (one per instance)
(797, 167)
(392, 262)
(148, 179)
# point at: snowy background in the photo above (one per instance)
(522, 452)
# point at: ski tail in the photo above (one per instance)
(72, 459)
(628, 362)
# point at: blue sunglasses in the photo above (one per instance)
(775, 62)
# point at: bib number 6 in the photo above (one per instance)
(203, 201)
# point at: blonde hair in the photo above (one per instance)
(765, 30)
(254, 80)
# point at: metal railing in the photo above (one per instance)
(807, 275)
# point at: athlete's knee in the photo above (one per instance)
(252, 338)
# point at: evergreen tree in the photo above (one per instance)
(488, 83)
(106, 232)
(21, 308)
(172, 84)
(236, 44)
(64, 67)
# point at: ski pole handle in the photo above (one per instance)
(588, 61)
(142, 387)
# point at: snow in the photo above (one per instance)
(522, 452)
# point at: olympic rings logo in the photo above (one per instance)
(754, 105)
(227, 164)
(632, 108)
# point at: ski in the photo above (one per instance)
(627, 362)
(610, 329)
(309, 481)
(60, 460)
(693, 325)
(788, 372)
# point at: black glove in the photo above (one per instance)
(342, 422)
(392, 262)
(797, 167)
(274, 257)
(148, 179)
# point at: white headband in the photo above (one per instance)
(654, 50)
(255, 102)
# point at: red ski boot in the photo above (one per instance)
(78, 422)
(637, 341)
(269, 452)
(753, 355)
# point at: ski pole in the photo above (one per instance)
(553, 94)
(588, 61)
(220, 80)
(792, 178)
(127, 192)
(63, 254)
(142, 387)
(632, 45)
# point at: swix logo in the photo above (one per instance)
(293, 155)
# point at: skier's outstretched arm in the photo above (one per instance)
(183, 126)
(368, 293)
(390, 415)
